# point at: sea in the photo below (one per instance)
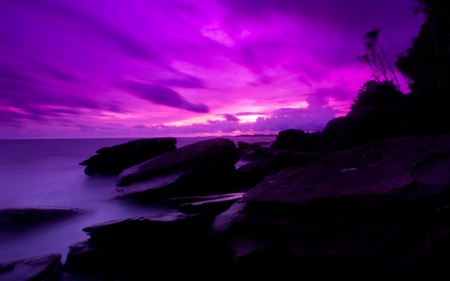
(46, 172)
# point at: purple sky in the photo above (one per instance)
(186, 67)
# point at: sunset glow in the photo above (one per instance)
(75, 69)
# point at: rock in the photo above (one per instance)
(193, 199)
(31, 216)
(254, 172)
(262, 143)
(257, 153)
(202, 168)
(173, 246)
(113, 160)
(297, 140)
(244, 146)
(380, 209)
(266, 161)
(46, 267)
(330, 134)
(216, 205)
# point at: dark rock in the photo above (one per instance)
(369, 125)
(298, 140)
(46, 267)
(170, 246)
(113, 160)
(202, 168)
(262, 143)
(381, 208)
(216, 205)
(276, 153)
(266, 161)
(331, 134)
(32, 216)
(254, 154)
(254, 172)
(193, 199)
(244, 146)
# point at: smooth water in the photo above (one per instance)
(46, 173)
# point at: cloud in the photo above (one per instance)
(249, 113)
(188, 82)
(159, 94)
(122, 40)
(64, 60)
(231, 118)
(55, 72)
(312, 118)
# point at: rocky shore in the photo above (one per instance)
(327, 205)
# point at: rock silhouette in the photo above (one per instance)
(113, 160)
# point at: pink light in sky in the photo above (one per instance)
(186, 67)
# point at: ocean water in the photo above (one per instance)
(45, 172)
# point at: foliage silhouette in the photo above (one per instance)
(374, 93)
(376, 59)
(426, 64)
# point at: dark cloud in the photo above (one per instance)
(122, 40)
(55, 72)
(162, 95)
(346, 13)
(21, 88)
(230, 118)
(188, 82)
(345, 20)
(11, 118)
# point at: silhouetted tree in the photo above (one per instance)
(375, 93)
(426, 64)
(376, 59)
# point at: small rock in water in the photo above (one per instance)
(31, 216)
(46, 267)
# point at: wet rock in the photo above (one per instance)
(113, 160)
(169, 246)
(202, 168)
(380, 209)
(214, 205)
(192, 199)
(23, 217)
(46, 267)
(297, 140)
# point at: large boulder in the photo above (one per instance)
(202, 168)
(39, 268)
(379, 210)
(113, 160)
(169, 246)
(298, 140)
